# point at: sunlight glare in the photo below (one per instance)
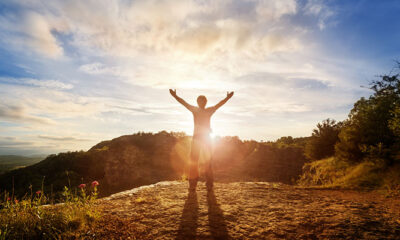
(212, 136)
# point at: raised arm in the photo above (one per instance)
(228, 96)
(181, 101)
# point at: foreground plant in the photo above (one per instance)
(29, 218)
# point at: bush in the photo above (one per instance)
(323, 139)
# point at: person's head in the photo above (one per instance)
(201, 101)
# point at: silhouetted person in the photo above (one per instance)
(201, 137)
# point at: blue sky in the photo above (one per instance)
(73, 73)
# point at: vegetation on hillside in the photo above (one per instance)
(366, 152)
(145, 158)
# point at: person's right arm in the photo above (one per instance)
(181, 101)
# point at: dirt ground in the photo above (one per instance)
(245, 211)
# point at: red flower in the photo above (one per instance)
(95, 183)
(82, 186)
(38, 192)
(16, 201)
(8, 199)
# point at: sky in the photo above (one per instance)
(74, 73)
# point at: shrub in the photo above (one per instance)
(323, 139)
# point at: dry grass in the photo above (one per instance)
(366, 175)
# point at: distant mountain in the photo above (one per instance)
(10, 162)
(145, 158)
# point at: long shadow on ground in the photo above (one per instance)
(188, 225)
(216, 218)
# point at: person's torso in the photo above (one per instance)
(202, 119)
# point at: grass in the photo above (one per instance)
(325, 172)
(30, 218)
(367, 175)
(391, 181)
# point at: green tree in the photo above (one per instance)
(394, 122)
(372, 128)
(323, 139)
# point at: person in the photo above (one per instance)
(201, 141)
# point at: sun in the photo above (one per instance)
(212, 135)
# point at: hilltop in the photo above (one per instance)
(245, 210)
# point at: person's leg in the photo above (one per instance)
(194, 164)
(208, 166)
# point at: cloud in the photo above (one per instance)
(48, 100)
(97, 68)
(277, 93)
(19, 114)
(29, 31)
(40, 36)
(318, 8)
(108, 65)
(13, 142)
(51, 84)
(139, 110)
(62, 139)
(271, 10)
(121, 28)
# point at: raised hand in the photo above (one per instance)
(229, 94)
(173, 92)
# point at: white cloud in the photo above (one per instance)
(97, 68)
(50, 84)
(160, 26)
(62, 138)
(40, 36)
(271, 10)
(319, 9)
(19, 114)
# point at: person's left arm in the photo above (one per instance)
(218, 105)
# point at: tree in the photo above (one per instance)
(372, 129)
(323, 139)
